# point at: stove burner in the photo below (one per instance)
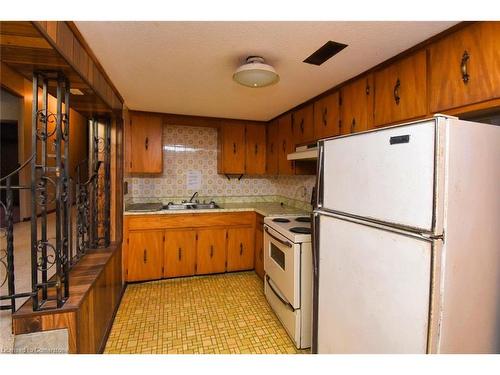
(303, 219)
(281, 220)
(301, 230)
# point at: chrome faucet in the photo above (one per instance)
(192, 197)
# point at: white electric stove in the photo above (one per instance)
(288, 267)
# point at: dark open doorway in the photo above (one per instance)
(9, 161)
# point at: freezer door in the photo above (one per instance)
(373, 290)
(385, 175)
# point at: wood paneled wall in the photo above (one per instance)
(95, 293)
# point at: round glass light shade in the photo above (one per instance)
(256, 74)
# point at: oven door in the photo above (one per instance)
(282, 265)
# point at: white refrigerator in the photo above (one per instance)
(406, 252)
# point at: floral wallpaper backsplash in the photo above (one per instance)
(192, 152)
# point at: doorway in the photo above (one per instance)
(9, 162)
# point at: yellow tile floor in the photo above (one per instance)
(226, 313)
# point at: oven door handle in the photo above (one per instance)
(283, 301)
(286, 243)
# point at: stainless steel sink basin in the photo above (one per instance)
(190, 206)
(143, 207)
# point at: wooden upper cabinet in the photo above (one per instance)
(303, 125)
(255, 149)
(146, 153)
(240, 249)
(211, 251)
(465, 67)
(180, 253)
(401, 90)
(356, 110)
(232, 150)
(272, 148)
(286, 144)
(327, 116)
(145, 255)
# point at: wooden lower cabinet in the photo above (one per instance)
(211, 251)
(183, 245)
(240, 249)
(259, 246)
(145, 255)
(180, 253)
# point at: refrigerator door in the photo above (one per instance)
(397, 164)
(373, 289)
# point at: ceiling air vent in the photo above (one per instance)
(328, 50)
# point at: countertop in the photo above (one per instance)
(263, 208)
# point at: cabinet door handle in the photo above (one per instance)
(353, 125)
(234, 148)
(256, 149)
(325, 112)
(241, 249)
(463, 67)
(292, 123)
(211, 251)
(367, 89)
(146, 143)
(396, 91)
(302, 126)
(145, 255)
(284, 146)
(180, 253)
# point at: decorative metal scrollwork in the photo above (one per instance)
(44, 121)
(44, 195)
(45, 261)
(3, 263)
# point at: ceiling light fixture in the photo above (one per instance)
(255, 73)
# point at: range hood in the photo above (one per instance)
(308, 152)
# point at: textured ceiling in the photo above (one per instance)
(187, 67)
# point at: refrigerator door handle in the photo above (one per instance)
(319, 178)
(315, 258)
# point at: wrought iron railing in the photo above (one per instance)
(51, 191)
(7, 271)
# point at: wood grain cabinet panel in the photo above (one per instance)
(465, 67)
(303, 125)
(180, 253)
(286, 144)
(240, 249)
(255, 150)
(146, 153)
(272, 148)
(211, 251)
(327, 116)
(145, 255)
(259, 246)
(356, 110)
(401, 90)
(232, 150)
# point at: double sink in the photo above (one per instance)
(150, 207)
